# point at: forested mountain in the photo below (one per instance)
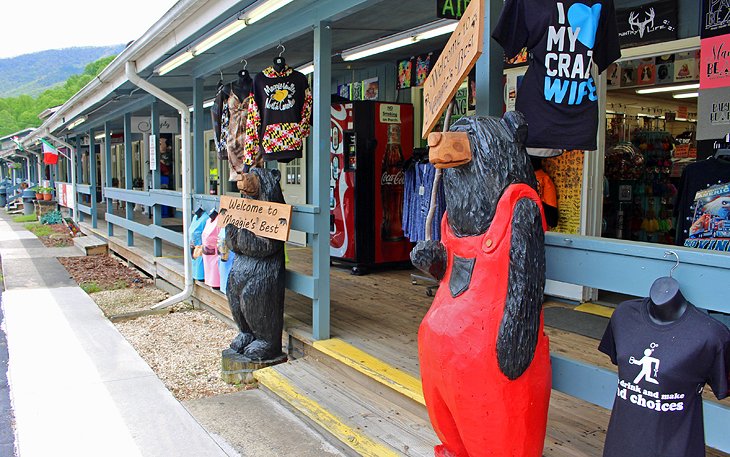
(17, 113)
(31, 74)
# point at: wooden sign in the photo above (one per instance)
(267, 219)
(457, 59)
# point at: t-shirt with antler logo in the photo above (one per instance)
(564, 38)
(662, 371)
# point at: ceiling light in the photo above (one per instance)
(77, 122)
(206, 104)
(175, 62)
(263, 8)
(233, 25)
(222, 34)
(100, 136)
(654, 90)
(306, 69)
(686, 95)
(398, 40)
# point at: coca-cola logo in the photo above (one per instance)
(387, 179)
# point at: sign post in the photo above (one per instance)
(457, 59)
(267, 219)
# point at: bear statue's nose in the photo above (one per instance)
(448, 149)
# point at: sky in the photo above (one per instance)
(38, 25)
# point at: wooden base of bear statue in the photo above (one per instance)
(484, 358)
(255, 288)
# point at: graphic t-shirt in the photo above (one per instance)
(662, 370)
(558, 94)
(695, 177)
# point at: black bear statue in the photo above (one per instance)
(256, 282)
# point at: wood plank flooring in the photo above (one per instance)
(380, 313)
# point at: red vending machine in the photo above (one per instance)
(370, 141)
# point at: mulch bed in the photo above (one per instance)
(60, 238)
(106, 271)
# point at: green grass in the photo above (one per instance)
(39, 229)
(90, 287)
(24, 218)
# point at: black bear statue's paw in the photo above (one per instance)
(430, 257)
(260, 350)
(241, 341)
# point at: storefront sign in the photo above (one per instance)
(451, 9)
(65, 194)
(141, 124)
(266, 219)
(153, 152)
(713, 114)
(453, 65)
(715, 62)
(715, 19)
(649, 23)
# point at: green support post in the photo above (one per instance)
(199, 154)
(108, 174)
(79, 175)
(321, 170)
(490, 66)
(128, 172)
(156, 209)
(92, 176)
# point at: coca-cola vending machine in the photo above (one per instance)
(369, 143)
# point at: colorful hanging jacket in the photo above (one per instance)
(279, 115)
(220, 115)
(239, 158)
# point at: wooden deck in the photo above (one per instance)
(379, 314)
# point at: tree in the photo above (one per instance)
(17, 113)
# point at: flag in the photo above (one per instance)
(50, 153)
(18, 145)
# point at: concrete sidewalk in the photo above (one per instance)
(77, 386)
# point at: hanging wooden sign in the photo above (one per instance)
(267, 219)
(453, 65)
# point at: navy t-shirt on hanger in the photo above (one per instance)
(662, 370)
(558, 94)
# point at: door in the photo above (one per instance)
(294, 187)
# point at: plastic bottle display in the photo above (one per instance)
(391, 187)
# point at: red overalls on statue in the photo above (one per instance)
(474, 408)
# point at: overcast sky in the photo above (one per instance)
(36, 25)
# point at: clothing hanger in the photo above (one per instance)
(213, 214)
(199, 211)
(223, 87)
(280, 61)
(243, 85)
(667, 302)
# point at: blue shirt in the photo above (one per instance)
(196, 239)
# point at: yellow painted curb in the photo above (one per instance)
(370, 366)
(598, 310)
(360, 443)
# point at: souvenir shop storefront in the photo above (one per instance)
(366, 93)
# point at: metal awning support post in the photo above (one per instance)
(490, 93)
(78, 167)
(72, 153)
(92, 176)
(156, 184)
(321, 167)
(182, 108)
(108, 174)
(128, 178)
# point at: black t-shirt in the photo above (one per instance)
(695, 177)
(662, 370)
(558, 94)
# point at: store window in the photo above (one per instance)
(137, 166)
(118, 165)
(651, 122)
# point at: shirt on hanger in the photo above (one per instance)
(695, 177)
(279, 115)
(558, 94)
(662, 369)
